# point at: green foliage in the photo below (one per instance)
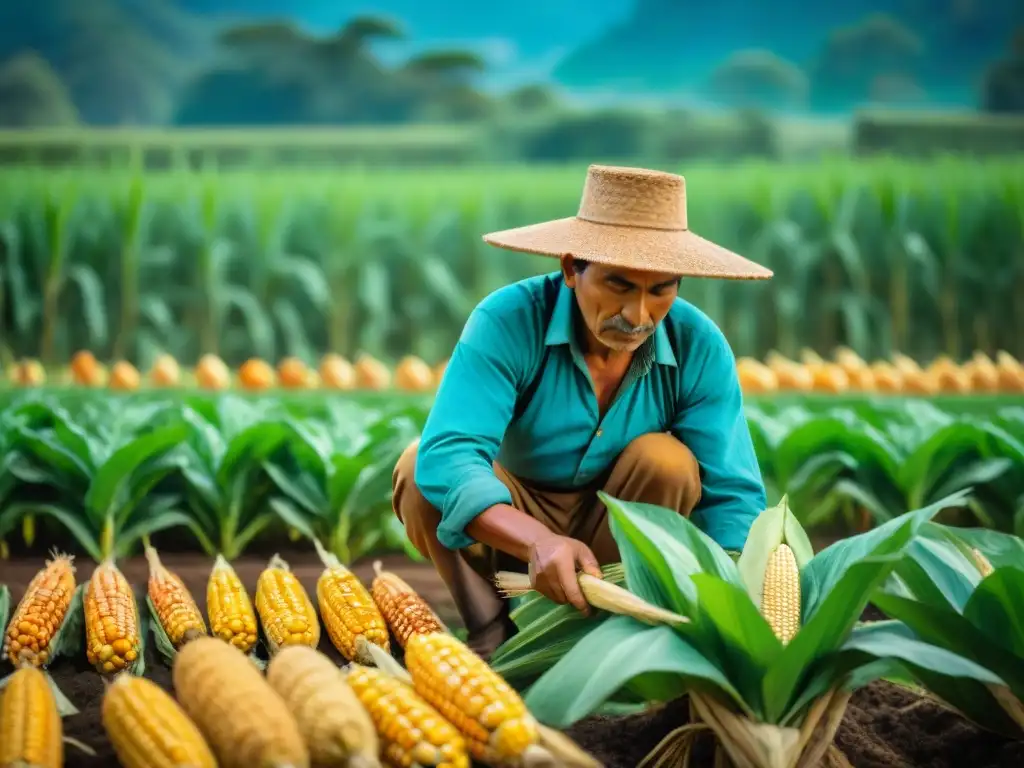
(388, 262)
(726, 657)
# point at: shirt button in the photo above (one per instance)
(599, 432)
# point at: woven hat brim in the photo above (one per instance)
(678, 252)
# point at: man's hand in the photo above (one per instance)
(553, 569)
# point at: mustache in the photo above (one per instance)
(620, 324)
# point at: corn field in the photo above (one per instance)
(881, 256)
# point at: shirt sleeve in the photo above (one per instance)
(711, 422)
(467, 422)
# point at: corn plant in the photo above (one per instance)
(769, 701)
(335, 485)
(98, 483)
(882, 255)
(963, 592)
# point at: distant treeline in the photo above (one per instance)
(97, 64)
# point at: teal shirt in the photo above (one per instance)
(682, 380)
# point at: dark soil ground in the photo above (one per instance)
(885, 727)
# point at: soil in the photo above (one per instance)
(886, 726)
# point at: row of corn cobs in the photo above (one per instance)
(446, 707)
(411, 374)
(848, 372)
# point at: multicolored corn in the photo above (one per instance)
(412, 732)
(176, 609)
(348, 610)
(285, 610)
(405, 612)
(474, 698)
(232, 617)
(41, 613)
(111, 620)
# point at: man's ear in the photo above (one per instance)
(568, 273)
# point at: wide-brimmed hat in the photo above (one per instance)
(633, 218)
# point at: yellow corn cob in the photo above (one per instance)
(984, 566)
(30, 728)
(41, 613)
(473, 697)
(336, 728)
(412, 732)
(285, 610)
(403, 609)
(348, 610)
(148, 729)
(232, 617)
(243, 719)
(175, 608)
(780, 593)
(111, 620)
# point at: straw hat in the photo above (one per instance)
(633, 218)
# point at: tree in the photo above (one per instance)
(32, 95)
(1003, 86)
(758, 78)
(854, 58)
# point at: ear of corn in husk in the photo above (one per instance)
(1010, 372)
(348, 610)
(229, 608)
(47, 613)
(598, 593)
(243, 719)
(5, 605)
(176, 617)
(286, 613)
(984, 566)
(149, 729)
(394, 706)
(114, 642)
(336, 728)
(404, 610)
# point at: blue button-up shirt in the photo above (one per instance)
(682, 380)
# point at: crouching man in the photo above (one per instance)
(595, 377)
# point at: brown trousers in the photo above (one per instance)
(655, 469)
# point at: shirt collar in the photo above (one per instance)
(561, 330)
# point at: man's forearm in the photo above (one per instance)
(507, 529)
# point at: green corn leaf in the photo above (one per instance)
(1000, 548)
(69, 639)
(5, 606)
(616, 653)
(110, 488)
(938, 573)
(998, 606)
(838, 584)
(70, 519)
(164, 646)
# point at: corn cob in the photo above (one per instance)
(41, 613)
(403, 609)
(30, 729)
(111, 620)
(175, 608)
(350, 614)
(232, 617)
(337, 729)
(412, 732)
(148, 729)
(210, 680)
(780, 593)
(473, 697)
(285, 610)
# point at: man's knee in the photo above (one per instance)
(666, 466)
(416, 513)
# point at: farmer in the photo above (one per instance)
(595, 377)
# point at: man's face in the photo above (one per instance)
(621, 307)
